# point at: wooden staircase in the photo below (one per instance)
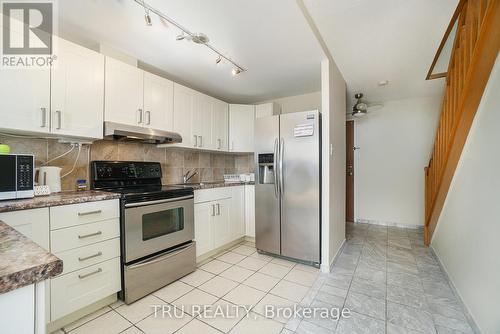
(474, 51)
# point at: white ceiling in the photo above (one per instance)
(391, 40)
(270, 39)
(370, 41)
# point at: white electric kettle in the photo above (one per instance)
(50, 176)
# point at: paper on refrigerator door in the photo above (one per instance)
(303, 130)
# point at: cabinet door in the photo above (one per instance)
(183, 114)
(203, 229)
(34, 224)
(237, 222)
(25, 100)
(267, 109)
(222, 219)
(158, 102)
(202, 121)
(241, 128)
(77, 92)
(123, 93)
(250, 210)
(220, 126)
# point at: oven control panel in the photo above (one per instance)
(115, 170)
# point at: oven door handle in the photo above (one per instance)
(170, 200)
(161, 257)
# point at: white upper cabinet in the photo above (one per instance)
(124, 93)
(183, 114)
(202, 121)
(267, 109)
(241, 127)
(25, 100)
(158, 102)
(220, 125)
(77, 92)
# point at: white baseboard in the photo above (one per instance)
(467, 313)
(387, 223)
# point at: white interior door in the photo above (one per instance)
(158, 102)
(124, 93)
(77, 92)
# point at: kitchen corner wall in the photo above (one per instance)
(175, 161)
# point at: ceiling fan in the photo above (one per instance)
(362, 108)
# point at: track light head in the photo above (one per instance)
(235, 71)
(148, 20)
(218, 60)
(181, 37)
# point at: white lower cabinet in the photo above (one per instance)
(86, 236)
(219, 217)
(78, 289)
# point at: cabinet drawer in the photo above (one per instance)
(83, 235)
(78, 289)
(79, 258)
(82, 213)
(207, 195)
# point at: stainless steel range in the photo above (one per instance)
(157, 225)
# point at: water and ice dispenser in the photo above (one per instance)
(266, 168)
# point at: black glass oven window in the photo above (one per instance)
(161, 223)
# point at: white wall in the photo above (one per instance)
(333, 90)
(395, 145)
(303, 102)
(466, 239)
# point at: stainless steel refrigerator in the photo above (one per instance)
(288, 185)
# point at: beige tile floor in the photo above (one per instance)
(389, 281)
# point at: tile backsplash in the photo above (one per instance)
(175, 161)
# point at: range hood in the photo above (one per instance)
(123, 132)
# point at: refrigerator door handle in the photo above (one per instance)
(275, 171)
(282, 148)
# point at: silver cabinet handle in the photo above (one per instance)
(80, 214)
(232, 145)
(201, 141)
(140, 116)
(195, 140)
(148, 113)
(218, 209)
(44, 117)
(219, 146)
(90, 235)
(89, 257)
(90, 274)
(213, 209)
(59, 119)
(275, 171)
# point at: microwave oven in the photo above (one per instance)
(17, 172)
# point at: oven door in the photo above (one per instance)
(154, 226)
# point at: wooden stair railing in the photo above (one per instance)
(475, 49)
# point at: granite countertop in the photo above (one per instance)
(62, 198)
(23, 262)
(213, 184)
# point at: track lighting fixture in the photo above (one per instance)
(185, 34)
